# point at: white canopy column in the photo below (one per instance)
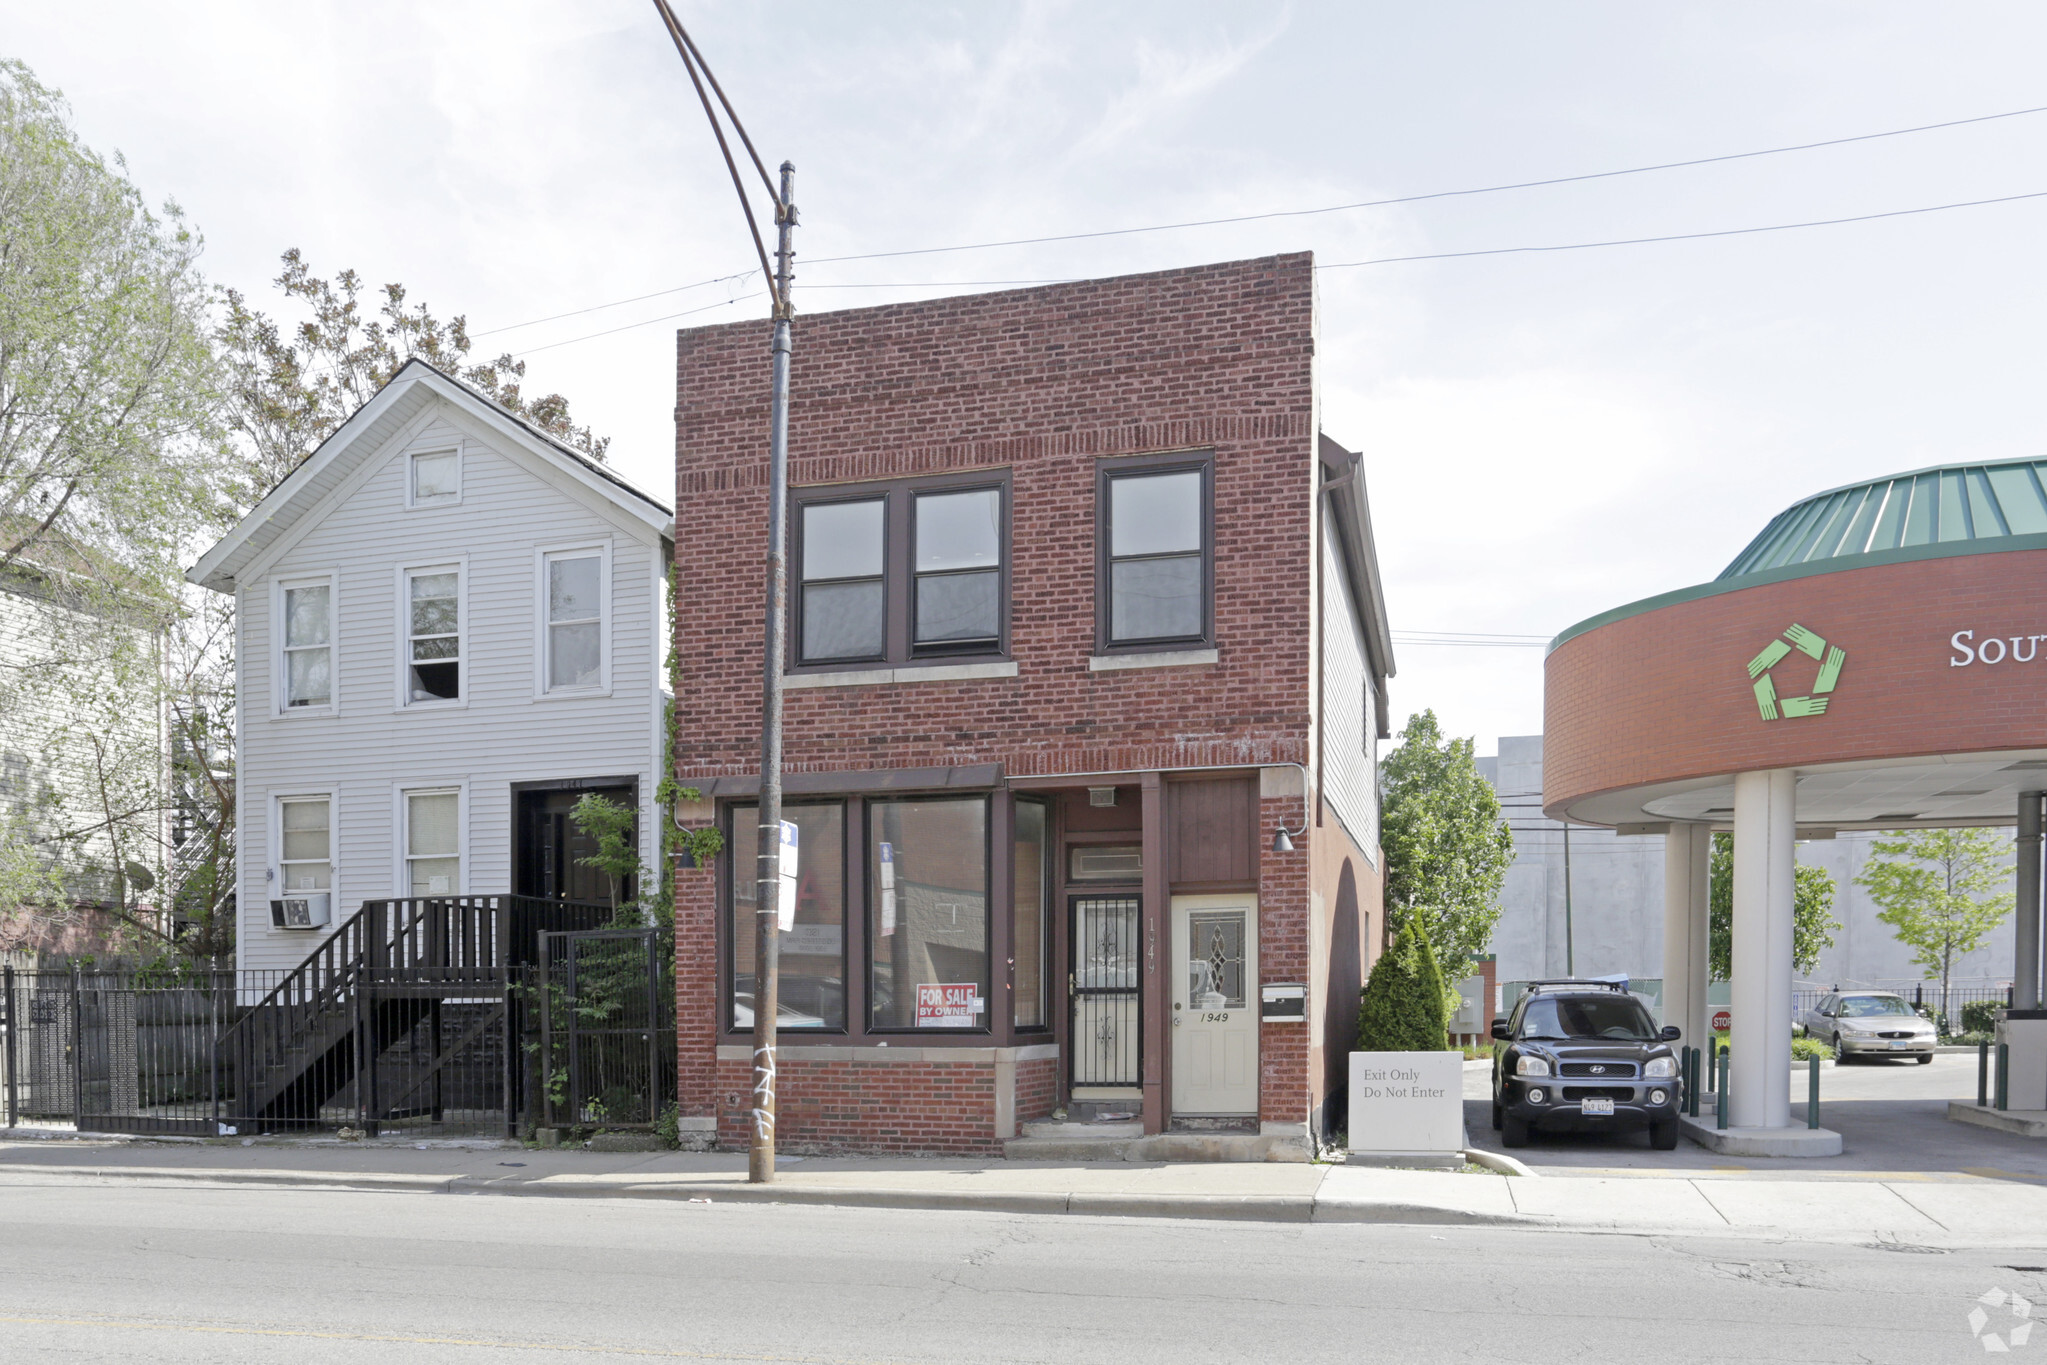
(1686, 913)
(1765, 867)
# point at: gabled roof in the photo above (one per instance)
(417, 384)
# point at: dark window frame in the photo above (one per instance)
(1048, 912)
(728, 915)
(870, 910)
(1106, 471)
(899, 571)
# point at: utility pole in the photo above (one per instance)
(767, 952)
(768, 879)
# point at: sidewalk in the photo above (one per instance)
(1985, 1210)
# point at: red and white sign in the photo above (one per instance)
(1722, 1021)
(947, 1005)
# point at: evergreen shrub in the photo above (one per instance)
(1402, 1008)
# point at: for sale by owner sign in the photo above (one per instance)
(947, 1005)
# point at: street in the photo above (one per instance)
(215, 1274)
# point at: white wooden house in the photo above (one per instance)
(450, 627)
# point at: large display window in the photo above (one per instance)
(812, 978)
(927, 913)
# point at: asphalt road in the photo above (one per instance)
(127, 1273)
(1891, 1115)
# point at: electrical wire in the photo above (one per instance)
(1685, 236)
(1302, 213)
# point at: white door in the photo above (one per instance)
(1215, 1016)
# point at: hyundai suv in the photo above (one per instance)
(1583, 1056)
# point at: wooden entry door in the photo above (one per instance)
(1215, 1016)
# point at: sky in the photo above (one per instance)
(1546, 435)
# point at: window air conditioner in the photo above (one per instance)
(307, 910)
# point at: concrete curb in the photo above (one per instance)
(1235, 1208)
(1497, 1161)
(2030, 1123)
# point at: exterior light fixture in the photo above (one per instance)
(1282, 842)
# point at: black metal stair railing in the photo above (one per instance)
(393, 964)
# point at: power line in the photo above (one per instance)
(1685, 236)
(1438, 194)
(1293, 213)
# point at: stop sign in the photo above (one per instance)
(1721, 1021)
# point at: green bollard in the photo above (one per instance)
(1692, 1081)
(1812, 1093)
(1720, 1111)
(1983, 1075)
(2003, 1065)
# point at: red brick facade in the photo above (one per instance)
(1664, 695)
(1042, 384)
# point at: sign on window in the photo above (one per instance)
(947, 1004)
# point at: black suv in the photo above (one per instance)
(1583, 1056)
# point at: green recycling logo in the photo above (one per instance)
(1805, 642)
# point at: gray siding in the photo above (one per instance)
(370, 748)
(1349, 757)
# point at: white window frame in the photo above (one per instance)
(542, 556)
(413, 502)
(274, 883)
(280, 669)
(401, 872)
(402, 689)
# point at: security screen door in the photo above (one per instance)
(1215, 1017)
(1105, 1001)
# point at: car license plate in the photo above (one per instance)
(1596, 1107)
(1898, 1043)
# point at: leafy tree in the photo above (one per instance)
(1447, 849)
(1936, 889)
(1402, 1008)
(1812, 912)
(286, 390)
(105, 372)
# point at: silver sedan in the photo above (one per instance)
(1870, 1024)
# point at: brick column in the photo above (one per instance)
(1283, 1089)
(696, 991)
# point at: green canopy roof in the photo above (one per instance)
(1928, 507)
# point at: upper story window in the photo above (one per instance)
(307, 663)
(436, 477)
(433, 644)
(574, 619)
(1157, 557)
(902, 571)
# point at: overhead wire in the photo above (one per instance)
(682, 39)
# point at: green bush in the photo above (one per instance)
(1802, 1048)
(1402, 1006)
(1980, 1016)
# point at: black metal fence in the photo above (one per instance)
(1925, 996)
(606, 1028)
(213, 1054)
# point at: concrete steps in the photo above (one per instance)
(1051, 1140)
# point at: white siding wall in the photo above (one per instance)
(1350, 744)
(371, 748)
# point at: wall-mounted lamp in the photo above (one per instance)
(1283, 838)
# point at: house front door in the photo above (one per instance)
(552, 849)
(1215, 1020)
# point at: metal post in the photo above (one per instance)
(546, 1050)
(2026, 922)
(78, 1056)
(1812, 1092)
(653, 1019)
(760, 1163)
(1720, 1097)
(2003, 1074)
(13, 1022)
(1983, 1075)
(1570, 949)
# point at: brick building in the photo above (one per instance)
(1084, 611)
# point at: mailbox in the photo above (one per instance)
(1285, 1003)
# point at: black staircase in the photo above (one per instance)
(331, 1025)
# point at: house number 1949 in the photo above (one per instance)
(1223, 1018)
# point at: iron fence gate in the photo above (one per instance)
(607, 1027)
(1106, 1029)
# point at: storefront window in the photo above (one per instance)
(927, 923)
(813, 953)
(1032, 900)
